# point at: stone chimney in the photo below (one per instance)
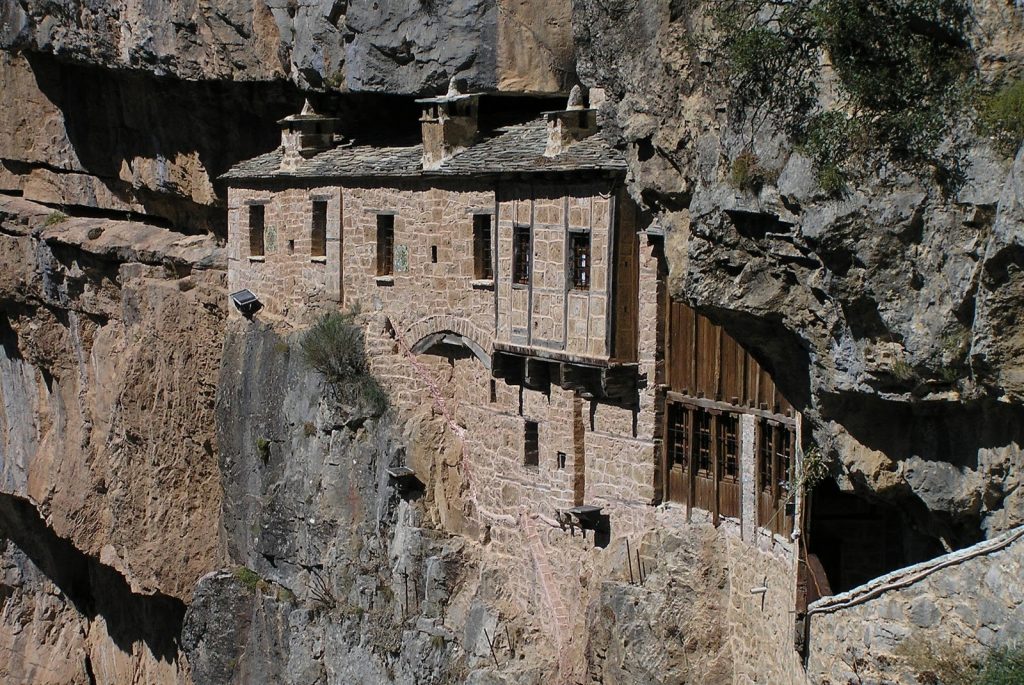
(449, 124)
(304, 135)
(566, 126)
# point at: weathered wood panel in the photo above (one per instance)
(627, 280)
(702, 360)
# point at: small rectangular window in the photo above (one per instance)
(521, 255)
(579, 260)
(728, 447)
(256, 229)
(318, 230)
(385, 244)
(701, 443)
(678, 436)
(531, 444)
(494, 391)
(482, 268)
(433, 254)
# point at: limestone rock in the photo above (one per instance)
(892, 299)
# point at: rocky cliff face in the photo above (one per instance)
(110, 335)
(339, 575)
(137, 107)
(137, 467)
(886, 310)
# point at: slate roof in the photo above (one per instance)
(511, 150)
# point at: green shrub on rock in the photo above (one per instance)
(334, 346)
(1002, 117)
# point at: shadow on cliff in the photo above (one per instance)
(131, 123)
(95, 589)
(951, 432)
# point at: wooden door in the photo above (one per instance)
(703, 460)
(727, 458)
(677, 451)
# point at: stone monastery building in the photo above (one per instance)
(508, 278)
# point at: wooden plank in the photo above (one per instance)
(625, 298)
(733, 370)
(707, 358)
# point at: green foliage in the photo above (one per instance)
(1001, 117)
(904, 72)
(896, 56)
(903, 372)
(55, 218)
(248, 577)
(263, 448)
(748, 174)
(1003, 667)
(831, 179)
(950, 665)
(770, 57)
(334, 347)
(814, 467)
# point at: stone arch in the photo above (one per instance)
(450, 330)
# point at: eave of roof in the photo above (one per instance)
(510, 151)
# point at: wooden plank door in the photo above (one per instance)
(677, 451)
(703, 460)
(727, 458)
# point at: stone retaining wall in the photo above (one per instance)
(969, 601)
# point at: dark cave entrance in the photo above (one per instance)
(857, 539)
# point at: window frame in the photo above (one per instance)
(522, 255)
(257, 234)
(318, 233)
(577, 240)
(483, 264)
(385, 244)
(531, 443)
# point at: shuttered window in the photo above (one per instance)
(318, 230)
(257, 219)
(385, 244)
(482, 269)
(521, 257)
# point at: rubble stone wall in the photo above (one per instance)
(968, 601)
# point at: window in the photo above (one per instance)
(531, 444)
(433, 254)
(494, 391)
(521, 255)
(256, 228)
(678, 435)
(579, 260)
(318, 230)
(728, 447)
(482, 269)
(774, 447)
(385, 244)
(702, 442)
(561, 460)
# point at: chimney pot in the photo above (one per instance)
(448, 123)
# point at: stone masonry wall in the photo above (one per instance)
(286, 278)
(965, 602)
(476, 477)
(545, 314)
